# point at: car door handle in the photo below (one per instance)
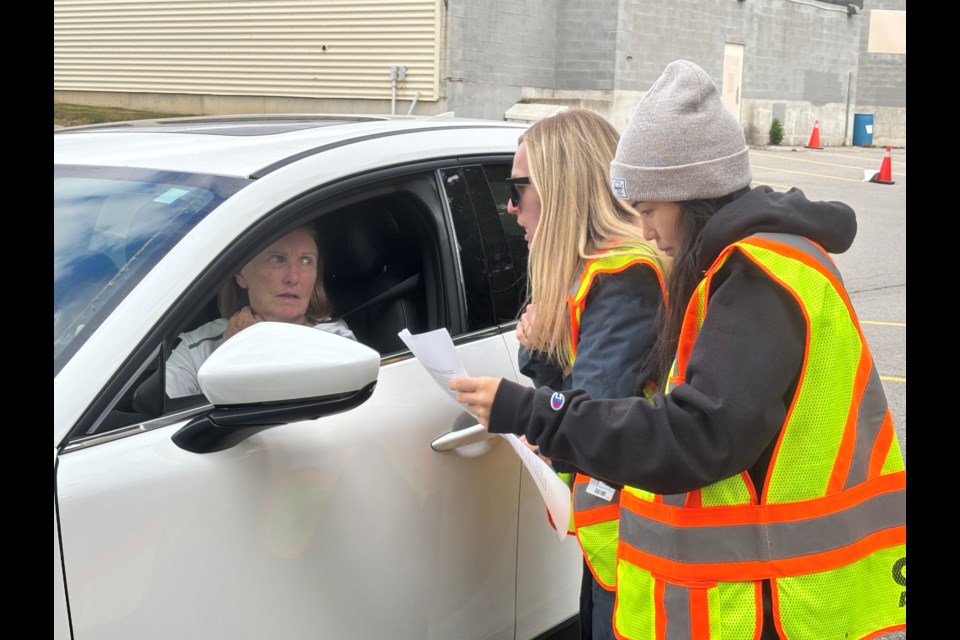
(461, 437)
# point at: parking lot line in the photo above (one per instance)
(770, 184)
(900, 160)
(902, 174)
(806, 173)
(826, 164)
(888, 324)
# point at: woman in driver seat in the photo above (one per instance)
(282, 283)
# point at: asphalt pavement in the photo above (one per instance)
(874, 269)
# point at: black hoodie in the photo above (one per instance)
(740, 376)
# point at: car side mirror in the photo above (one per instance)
(274, 373)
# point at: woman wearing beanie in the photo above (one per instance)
(764, 489)
(595, 289)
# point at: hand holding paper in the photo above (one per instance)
(477, 394)
(439, 357)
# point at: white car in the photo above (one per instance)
(322, 488)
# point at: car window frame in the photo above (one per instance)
(321, 199)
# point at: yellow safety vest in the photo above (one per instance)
(596, 505)
(828, 531)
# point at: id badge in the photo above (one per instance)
(600, 489)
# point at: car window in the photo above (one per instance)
(471, 251)
(111, 226)
(506, 249)
(381, 272)
(493, 253)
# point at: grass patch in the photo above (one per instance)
(73, 115)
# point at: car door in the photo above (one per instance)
(349, 525)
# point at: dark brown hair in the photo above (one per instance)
(233, 297)
(684, 277)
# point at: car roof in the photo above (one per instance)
(241, 146)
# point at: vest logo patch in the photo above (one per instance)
(899, 571)
(556, 401)
(619, 187)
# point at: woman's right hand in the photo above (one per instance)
(525, 331)
(535, 449)
(477, 394)
(240, 321)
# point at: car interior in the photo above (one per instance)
(373, 271)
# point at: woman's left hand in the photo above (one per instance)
(525, 330)
(240, 321)
(477, 394)
(534, 448)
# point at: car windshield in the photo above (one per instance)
(110, 227)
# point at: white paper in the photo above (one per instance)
(553, 490)
(436, 353)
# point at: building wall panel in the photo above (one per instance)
(305, 48)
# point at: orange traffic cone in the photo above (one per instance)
(885, 175)
(815, 136)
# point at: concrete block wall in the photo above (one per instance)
(615, 106)
(586, 44)
(802, 56)
(889, 125)
(805, 62)
(801, 52)
(494, 49)
(653, 34)
(882, 84)
(797, 118)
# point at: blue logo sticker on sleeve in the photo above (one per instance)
(556, 401)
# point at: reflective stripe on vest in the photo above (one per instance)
(596, 508)
(832, 514)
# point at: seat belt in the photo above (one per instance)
(393, 291)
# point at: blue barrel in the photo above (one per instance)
(862, 129)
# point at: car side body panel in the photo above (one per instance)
(61, 617)
(304, 526)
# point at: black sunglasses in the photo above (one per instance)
(514, 191)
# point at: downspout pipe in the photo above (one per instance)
(397, 73)
(414, 103)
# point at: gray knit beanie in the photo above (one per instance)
(681, 143)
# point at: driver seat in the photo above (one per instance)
(373, 279)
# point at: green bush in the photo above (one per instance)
(776, 132)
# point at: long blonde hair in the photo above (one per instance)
(568, 156)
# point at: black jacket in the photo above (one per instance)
(617, 331)
(739, 380)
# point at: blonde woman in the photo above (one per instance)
(595, 291)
